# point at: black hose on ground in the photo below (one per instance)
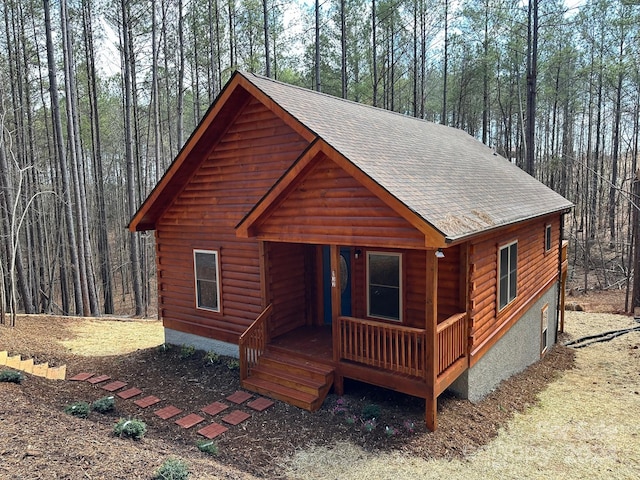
(600, 337)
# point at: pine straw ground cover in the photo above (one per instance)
(578, 424)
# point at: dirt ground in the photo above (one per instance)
(39, 440)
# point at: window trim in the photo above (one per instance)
(544, 329)
(510, 298)
(400, 286)
(216, 254)
(548, 239)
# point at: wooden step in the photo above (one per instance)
(296, 366)
(286, 379)
(288, 395)
(295, 380)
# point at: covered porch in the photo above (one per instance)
(297, 349)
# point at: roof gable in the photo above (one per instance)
(214, 124)
(324, 196)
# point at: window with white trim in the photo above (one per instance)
(207, 274)
(547, 238)
(384, 285)
(544, 329)
(508, 274)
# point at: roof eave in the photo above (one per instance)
(456, 239)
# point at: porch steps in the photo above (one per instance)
(294, 380)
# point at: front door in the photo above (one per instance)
(345, 282)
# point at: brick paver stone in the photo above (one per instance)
(260, 404)
(147, 401)
(236, 417)
(81, 377)
(212, 430)
(98, 379)
(239, 397)
(113, 386)
(215, 408)
(190, 420)
(129, 393)
(168, 412)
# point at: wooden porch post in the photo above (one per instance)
(264, 281)
(431, 348)
(338, 383)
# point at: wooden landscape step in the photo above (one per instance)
(29, 366)
(294, 380)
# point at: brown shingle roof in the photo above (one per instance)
(450, 179)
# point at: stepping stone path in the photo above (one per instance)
(169, 412)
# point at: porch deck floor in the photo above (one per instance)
(313, 342)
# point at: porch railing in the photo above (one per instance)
(253, 342)
(452, 340)
(390, 347)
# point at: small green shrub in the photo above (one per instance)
(211, 357)
(187, 351)
(10, 376)
(164, 347)
(172, 469)
(208, 447)
(369, 411)
(369, 425)
(78, 409)
(104, 405)
(130, 428)
(233, 364)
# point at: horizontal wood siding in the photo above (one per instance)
(331, 207)
(536, 269)
(287, 285)
(256, 150)
(414, 285)
(449, 283)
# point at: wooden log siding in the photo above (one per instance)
(536, 270)
(330, 207)
(287, 286)
(257, 146)
(385, 346)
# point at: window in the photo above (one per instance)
(384, 286)
(547, 238)
(205, 265)
(508, 268)
(545, 329)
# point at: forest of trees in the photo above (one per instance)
(98, 96)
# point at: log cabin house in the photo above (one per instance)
(319, 239)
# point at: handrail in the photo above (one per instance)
(452, 340)
(394, 348)
(253, 341)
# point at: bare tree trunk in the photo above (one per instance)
(616, 148)
(267, 59)
(102, 227)
(180, 106)
(343, 49)
(445, 69)
(374, 54)
(134, 255)
(64, 169)
(317, 46)
(532, 75)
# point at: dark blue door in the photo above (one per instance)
(345, 281)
